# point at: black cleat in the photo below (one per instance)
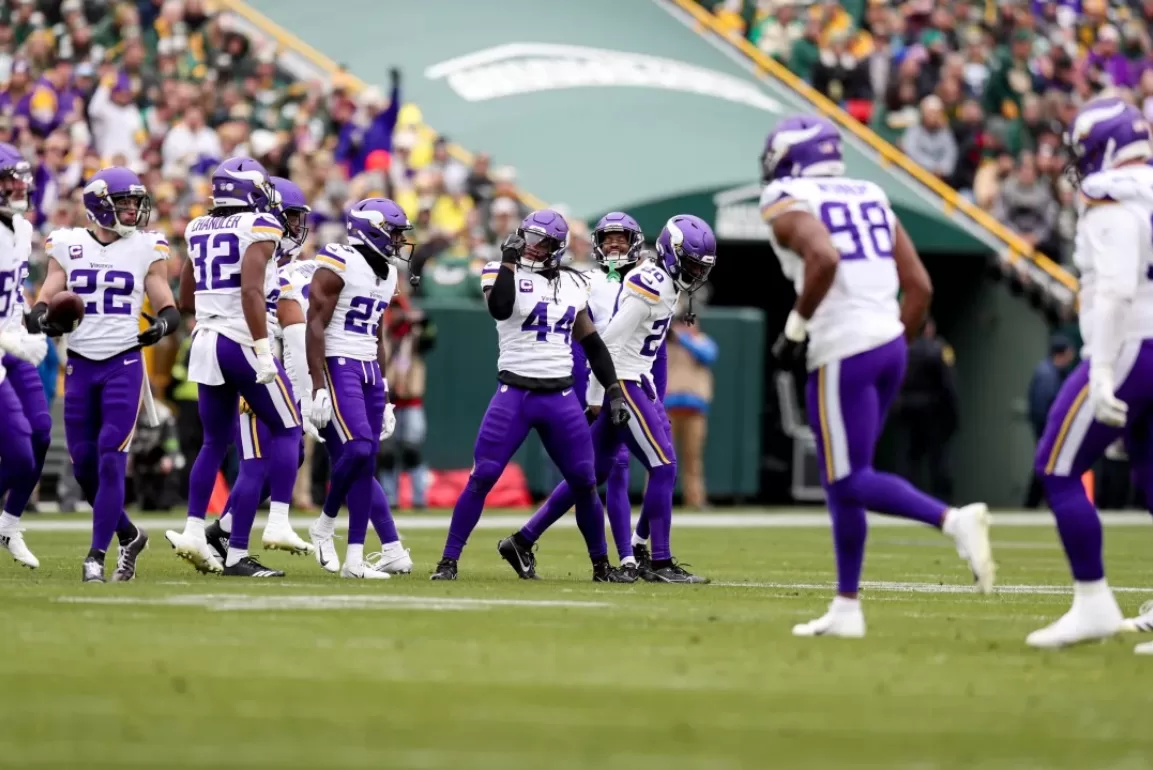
(628, 573)
(520, 558)
(250, 567)
(643, 557)
(217, 540)
(92, 571)
(672, 573)
(445, 570)
(603, 572)
(129, 553)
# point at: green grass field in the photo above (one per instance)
(178, 670)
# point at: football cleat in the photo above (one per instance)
(363, 571)
(281, 537)
(324, 546)
(969, 528)
(195, 551)
(217, 540)
(1091, 618)
(250, 567)
(1143, 622)
(521, 559)
(92, 571)
(13, 540)
(643, 557)
(392, 558)
(847, 622)
(445, 570)
(128, 554)
(675, 573)
(603, 572)
(628, 573)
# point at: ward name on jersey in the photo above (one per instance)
(860, 310)
(216, 246)
(356, 319)
(535, 341)
(1112, 202)
(110, 280)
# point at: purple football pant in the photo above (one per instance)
(559, 420)
(17, 458)
(29, 389)
(271, 403)
(1074, 440)
(359, 395)
(847, 402)
(646, 437)
(101, 405)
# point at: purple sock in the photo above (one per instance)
(891, 495)
(381, 514)
(617, 504)
(1078, 524)
(658, 508)
(360, 506)
(556, 506)
(109, 505)
(245, 499)
(643, 525)
(466, 513)
(850, 529)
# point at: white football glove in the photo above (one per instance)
(389, 421)
(265, 364)
(13, 343)
(1107, 408)
(306, 417)
(35, 348)
(321, 412)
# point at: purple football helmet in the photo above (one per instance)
(294, 211)
(244, 183)
(380, 225)
(802, 145)
(545, 235)
(15, 180)
(116, 200)
(687, 250)
(1105, 133)
(617, 222)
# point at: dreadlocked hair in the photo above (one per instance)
(555, 278)
(227, 211)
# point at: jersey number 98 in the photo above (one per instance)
(859, 231)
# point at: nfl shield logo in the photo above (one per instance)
(526, 285)
(75, 251)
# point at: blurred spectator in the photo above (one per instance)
(117, 126)
(1026, 203)
(930, 142)
(155, 454)
(806, 51)
(973, 144)
(410, 337)
(188, 140)
(841, 76)
(927, 413)
(370, 127)
(1043, 387)
(692, 354)
(780, 29)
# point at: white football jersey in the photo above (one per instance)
(536, 340)
(295, 279)
(110, 280)
(634, 350)
(216, 246)
(15, 250)
(861, 311)
(360, 308)
(1114, 247)
(603, 295)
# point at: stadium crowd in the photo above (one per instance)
(975, 91)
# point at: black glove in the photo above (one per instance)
(158, 327)
(618, 410)
(36, 322)
(512, 249)
(789, 352)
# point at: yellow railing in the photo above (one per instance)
(286, 40)
(1017, 246)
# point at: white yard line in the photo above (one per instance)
(932, 588)
(241, 602)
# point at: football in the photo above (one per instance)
(66, 309)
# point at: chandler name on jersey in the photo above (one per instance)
(216, 246)
(110, 280)
(360, 308)
(15, 250)
(861, 310)
(535, 341)
(634, 352)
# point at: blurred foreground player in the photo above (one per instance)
(840, 243)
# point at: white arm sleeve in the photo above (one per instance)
(295, 361)
(595, 395)
(1113, 235)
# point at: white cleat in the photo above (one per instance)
(13, 540)
(363, 571)
(281, 537)
(844, 619)
(969, 528)
(194, 550)
(324, 546)
(1093, 617)
(392, 558)
(1143, 622)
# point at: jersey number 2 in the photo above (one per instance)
(847, 224)
(537, 321)
(118, 286)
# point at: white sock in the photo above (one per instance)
(845, 604)
(8, 521)
(325, 525)
(638, 540)
(949, 525)
(278, 513)
(234, 556)
(628, 560)
(355, 555)
(1091, 590)
(391, 547)
(194, 527)
(226, 522)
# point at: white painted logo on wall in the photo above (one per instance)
(519, 68)
(739, 214)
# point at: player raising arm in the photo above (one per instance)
(110, 266)
(838, 240)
